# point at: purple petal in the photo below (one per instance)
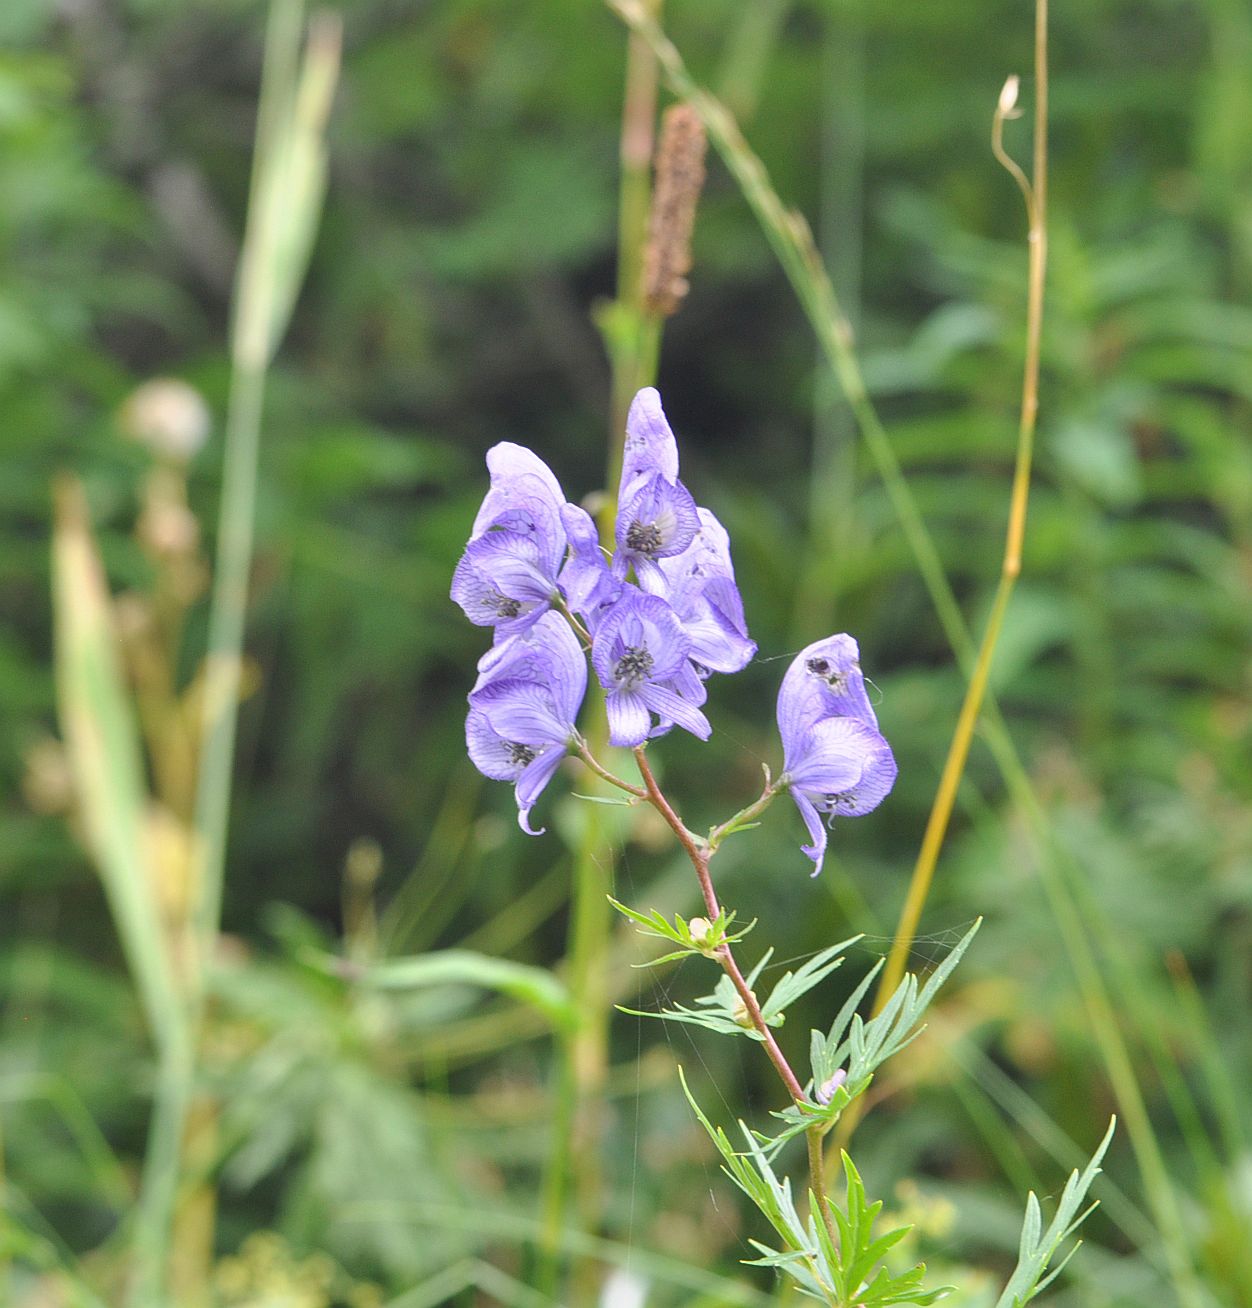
(824, 680)
(832, 756)
(490, 753)
(877, 778)
(520, 480)
(522, 711)
(638, 639)
(628, 718)
(530, 786)
(817, 830)
(715, 646)
(650, 446)
(659, 520)
(673, 708)
(508, 463)
(586, 580)
(513, 562)
(485, 604)
(549, 654)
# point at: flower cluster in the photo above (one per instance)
(835, 760)
(659, 616)
(662, 613)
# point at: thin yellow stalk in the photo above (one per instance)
(1034, 191)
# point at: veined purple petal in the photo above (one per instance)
(700, 586)
(518, 475)
(509, 463)
(548, 653)
(832, 755)
(650, 446)
(629, 720)
(493, 754)
(486, 604)
(586, 580)
(536, 519)
(522, 711)
(824, 680)
(671, 707)
(707, 556)
(817, 830)
(638, 639)
(877, 777)
(714, 645)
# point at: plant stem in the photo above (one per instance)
(699, 857)
(584, 753)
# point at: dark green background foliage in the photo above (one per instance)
(468, 237)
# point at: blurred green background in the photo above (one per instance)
(468, 237)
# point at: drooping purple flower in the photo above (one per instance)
(642, 656)
(700, 586)
(835, 761)
(523, 709)
(586, 579)
(507, 576)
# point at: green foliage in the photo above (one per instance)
(1038, 1247)
(707, 939)
(723, 1010)
(839, 1272)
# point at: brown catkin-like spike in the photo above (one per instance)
(679, 177)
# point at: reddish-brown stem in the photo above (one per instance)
(699, 854)
(699, 860)
(584, 753)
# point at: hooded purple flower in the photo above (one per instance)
(656, 516)
(507, 576)
(642, 657)
(835, 762)
(523, 709)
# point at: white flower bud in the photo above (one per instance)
(1008, 95)
(168, 416)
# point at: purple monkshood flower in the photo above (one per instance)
(642, 657)
(656, 516)
(835, 761)
(507, 577)
(523, 709)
